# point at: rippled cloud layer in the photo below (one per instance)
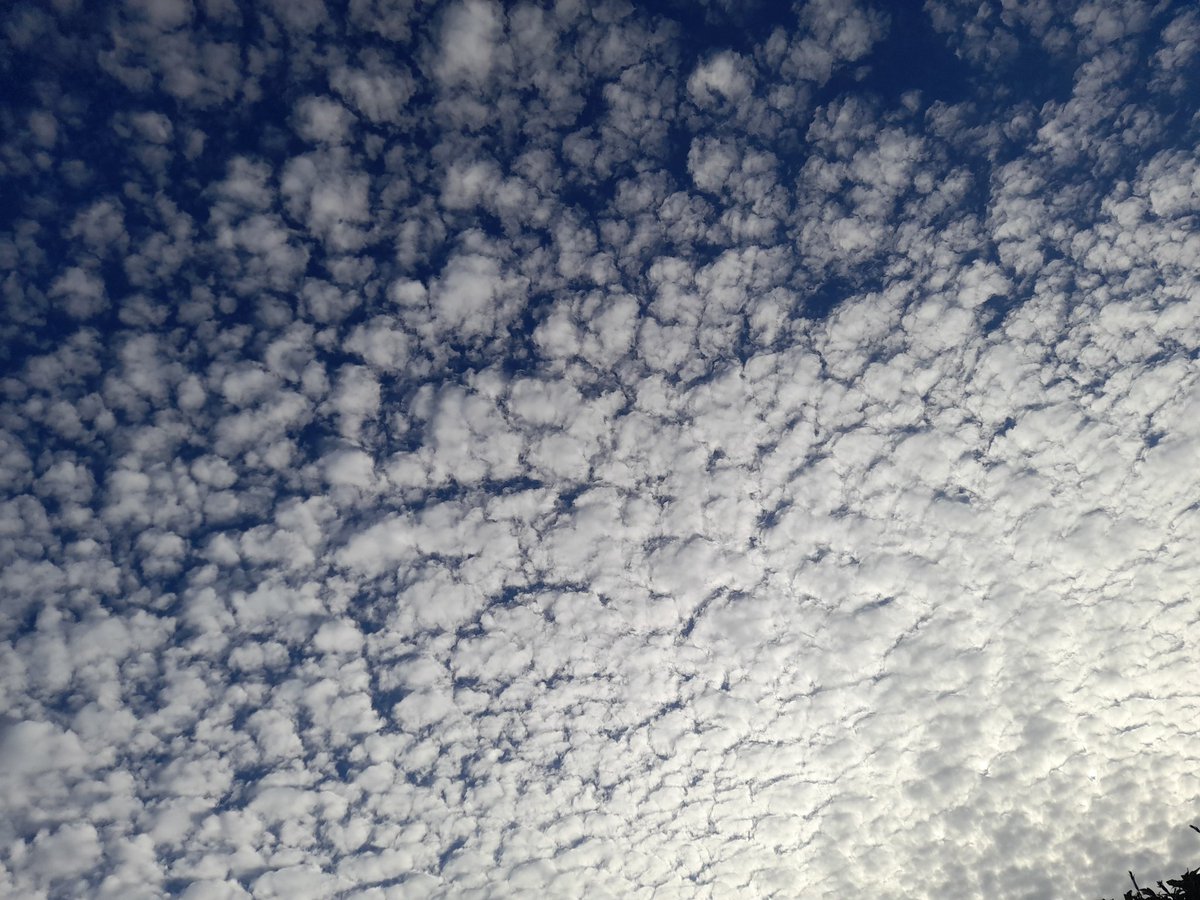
(503, 450)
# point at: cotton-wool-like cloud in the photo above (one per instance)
(485, 449)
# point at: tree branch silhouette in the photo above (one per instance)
(1186, 887)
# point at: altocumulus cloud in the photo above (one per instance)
(592, 449)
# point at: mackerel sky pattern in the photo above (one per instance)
(635, 450)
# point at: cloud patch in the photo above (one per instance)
(464, 450)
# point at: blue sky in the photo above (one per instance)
(639, 450)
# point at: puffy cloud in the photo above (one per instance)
(725, 76)
(322, 120)
(451, 450)
(81, 292)
(469, 38)
(379, 91)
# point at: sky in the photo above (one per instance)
(561, 449)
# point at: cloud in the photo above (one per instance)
(380, 91)
(81, 292)
(450, 451)
(469, 38)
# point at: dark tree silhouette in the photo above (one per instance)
(1185, 887)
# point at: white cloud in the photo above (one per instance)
(153, 127)
(465, 298)
(322, 120)
(332, 200)
(469, 36)
(724, 76)
(81, 292)
(164, 14)
(457, 450)
(300, 16)
(379, 92)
